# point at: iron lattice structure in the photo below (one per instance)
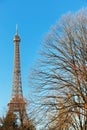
(17, 102)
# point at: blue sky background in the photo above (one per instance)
(34, 19)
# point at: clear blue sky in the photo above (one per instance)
(34, 19)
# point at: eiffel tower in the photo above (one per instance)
(17, 102)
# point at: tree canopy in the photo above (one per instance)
(59, 78)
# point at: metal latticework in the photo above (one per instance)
(17, 102)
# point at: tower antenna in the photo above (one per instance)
(16, 29)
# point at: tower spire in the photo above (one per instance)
(16, 29)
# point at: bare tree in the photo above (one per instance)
(61, 73)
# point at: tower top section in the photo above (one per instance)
(16, 37)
